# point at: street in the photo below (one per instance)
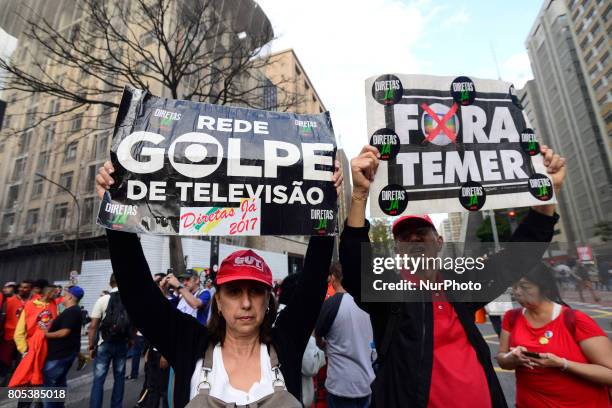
(79, 382)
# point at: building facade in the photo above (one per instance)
(569, 122)
(38, 220)
(532, 108)
(591, 24)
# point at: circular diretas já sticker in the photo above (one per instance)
(472, 196)
(387, 89)
(540, 187)
(529, 144)
(393, 199)
(387, 142)
(463, 90)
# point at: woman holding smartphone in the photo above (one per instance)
(561, 357)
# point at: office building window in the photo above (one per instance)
(37, 187)
(8, 222)
(87, 215)
(12, 196)
(65, 181)
(270, 96)
(49, 134)
(18, 169)
(70, 152)
(91, 179)
(59, 216)
(100, 146)
(31, 221)
(24, 141)
(77, 122)
(43, 161)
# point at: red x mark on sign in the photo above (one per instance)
(441, 122)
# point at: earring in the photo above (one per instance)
(268, 310)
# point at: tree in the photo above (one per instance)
(380, 236)
(485, 233)
(200, 50)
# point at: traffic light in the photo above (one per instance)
(511, 214)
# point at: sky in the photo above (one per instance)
(340, 43)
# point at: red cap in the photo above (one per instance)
(244, 265)
(402, 221)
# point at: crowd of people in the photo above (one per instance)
(41, 334)
(241, 341)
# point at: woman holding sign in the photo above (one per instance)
(239, 358)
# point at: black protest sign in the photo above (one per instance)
(464, 145)
(192, 168)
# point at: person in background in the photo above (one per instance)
(157, 371)
(63, 341)
(135, 352)
(581, 271)
(497, 308)
(314, 358)
(58, 298)
(110, 327)
(38, 286)
(561, 357)
(603, 268)
(9, 356)
(563, 273)
(34, 321)
(344, 331)
(194, 300)
(9, 289)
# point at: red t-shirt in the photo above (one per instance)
(14, 306)
(457, 377)
(549, 387)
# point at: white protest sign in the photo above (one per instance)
(451, 144)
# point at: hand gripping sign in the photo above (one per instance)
(450, 145)
(192, 168)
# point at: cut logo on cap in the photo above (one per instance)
(249, 261)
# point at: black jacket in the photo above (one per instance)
(182, 340)
(404, 376)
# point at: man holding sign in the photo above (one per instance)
(430, 352)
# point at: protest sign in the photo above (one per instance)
(192, 168)
(451, 144)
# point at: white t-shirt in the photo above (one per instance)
(220, 384)
(99, 309)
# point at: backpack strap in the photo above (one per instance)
(279, 381)
(204, 384)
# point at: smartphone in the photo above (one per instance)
(531, 354)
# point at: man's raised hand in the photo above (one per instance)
(363, 170)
